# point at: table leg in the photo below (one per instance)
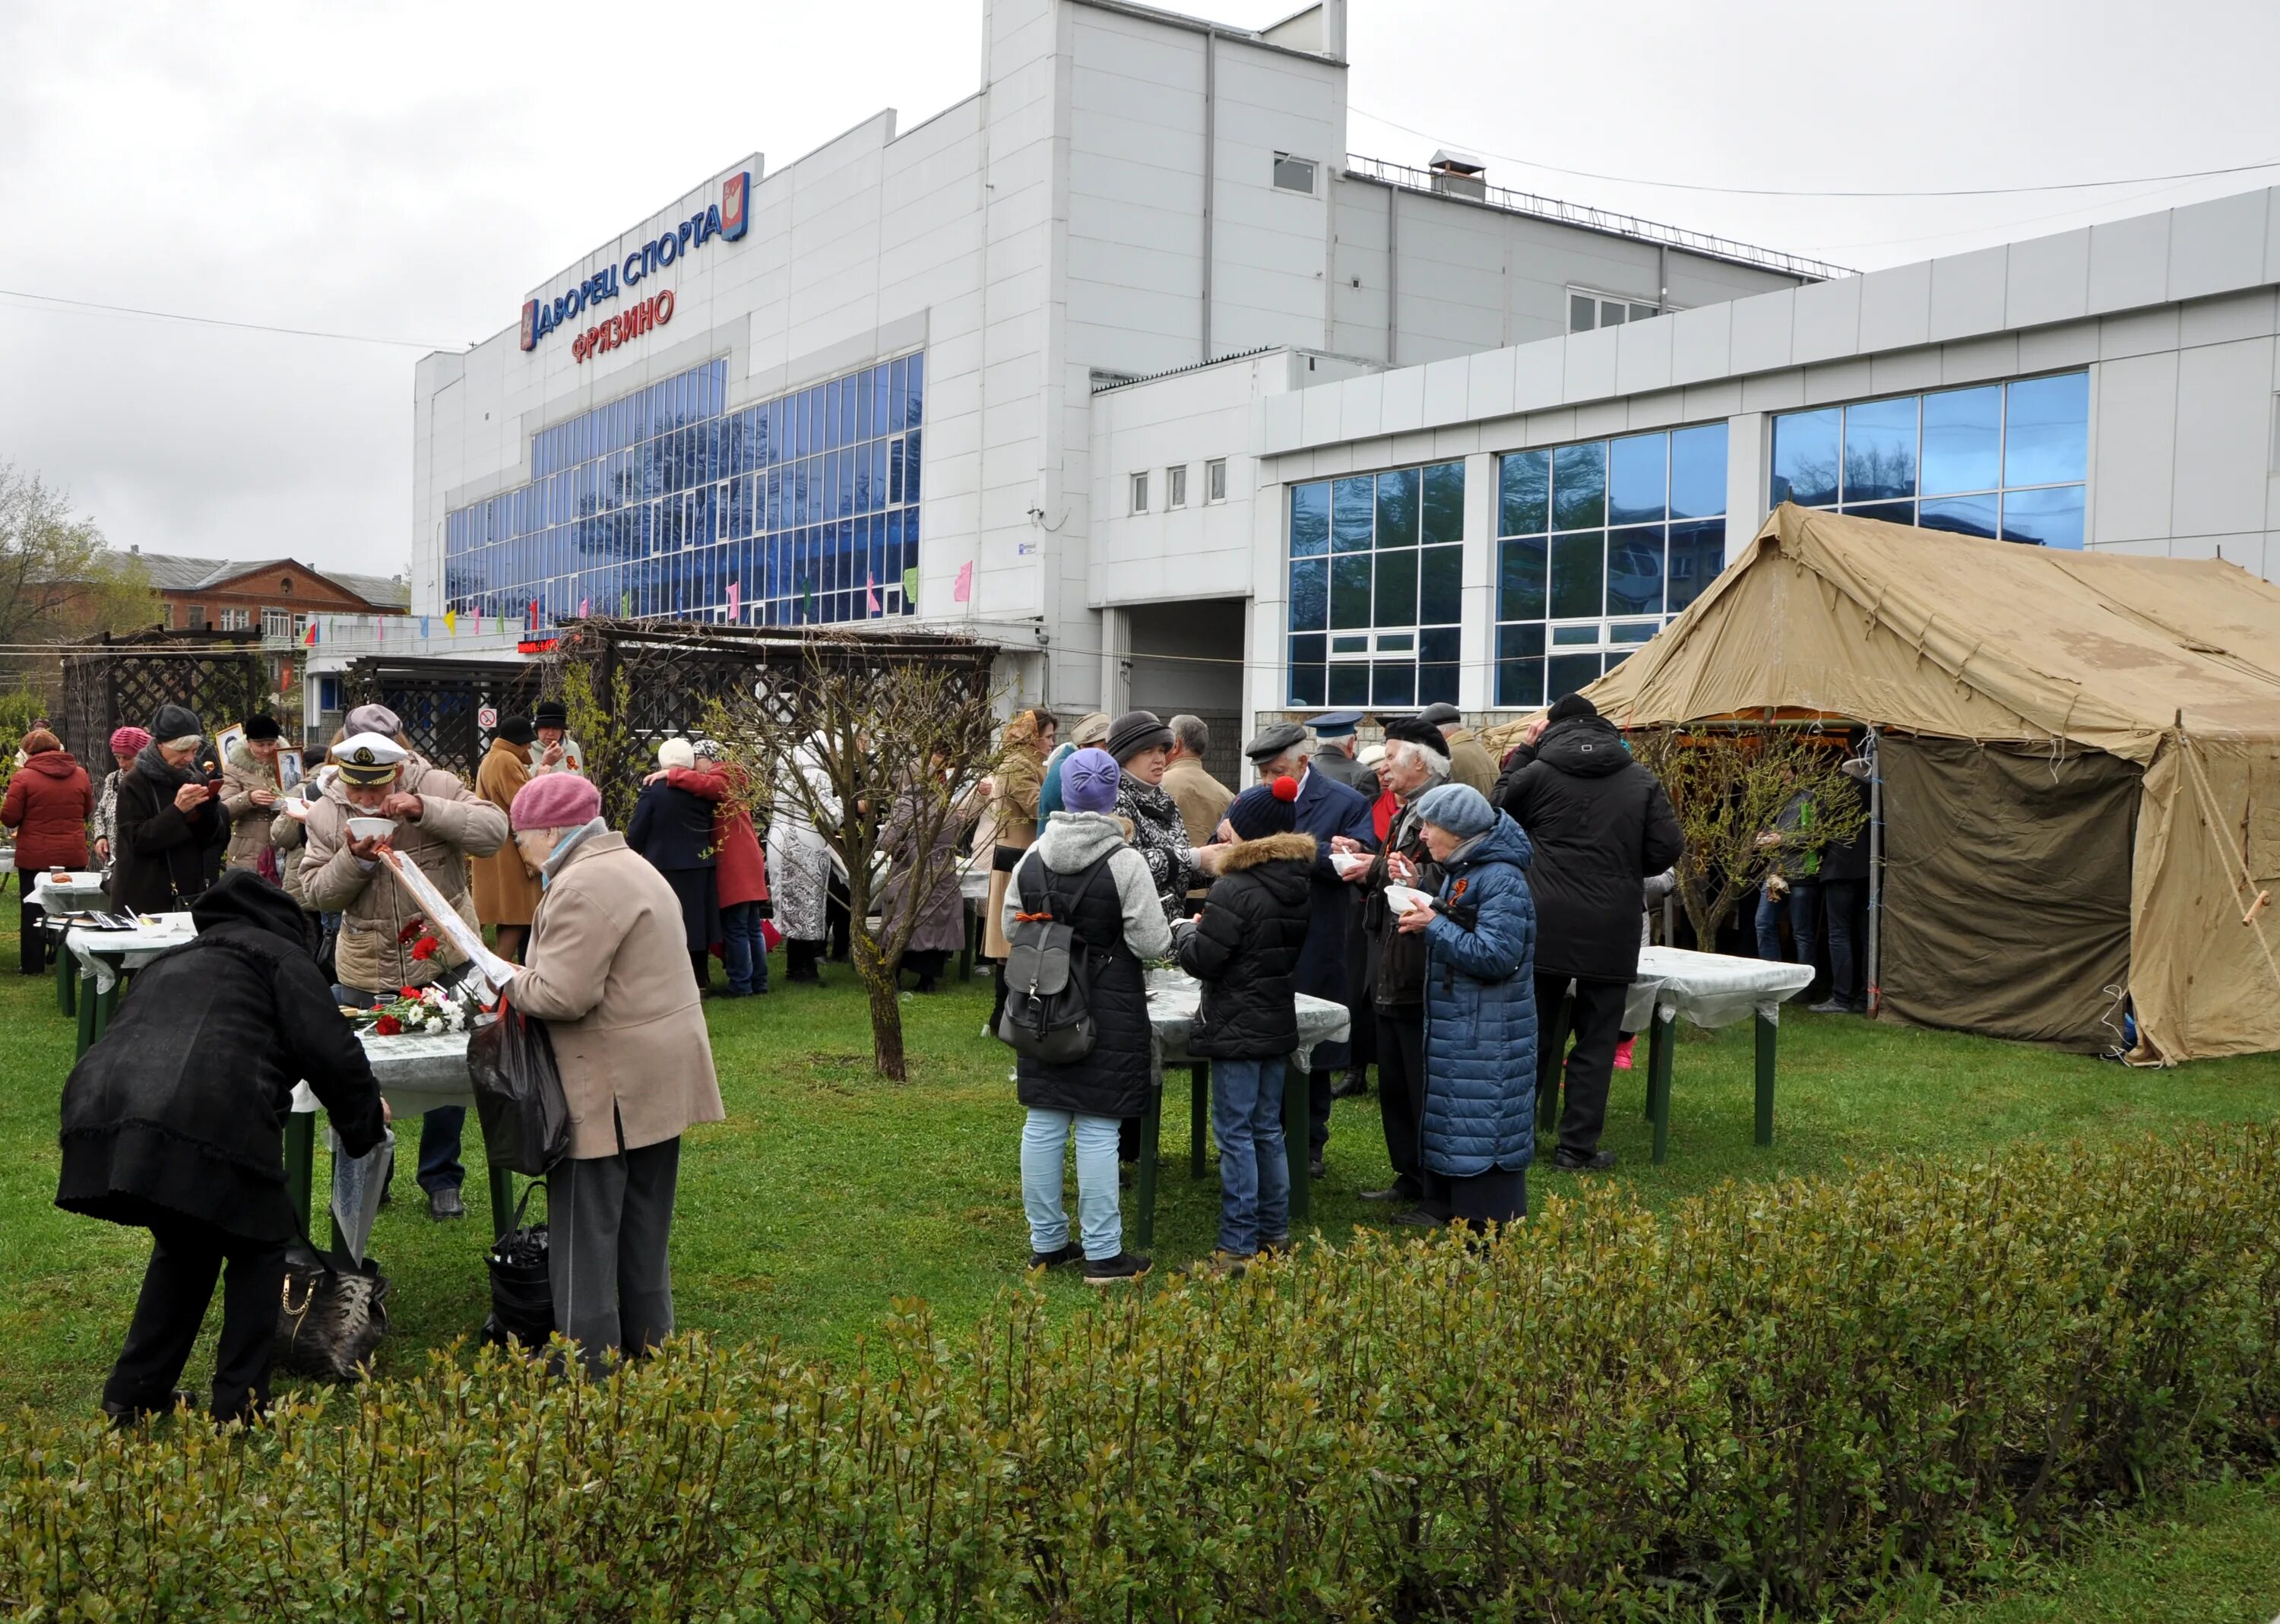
(300, 1158)
(501, 1203)
(1662, 1041)
(1768, 1037)
(66, 979)
(85, 1010)
(1198, 1115)
(969, 920)
(1297, 1123)
(106, 1003)
(1144, 1190)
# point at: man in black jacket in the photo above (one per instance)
(1601, 825)
(175, 1122)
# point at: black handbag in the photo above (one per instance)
(522, 1293)
(518, 1094)
(331, 1315)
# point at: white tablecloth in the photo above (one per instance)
(103, 953)
(1711, 989)
(80, 893)
(417, 1072)
(1173, 999)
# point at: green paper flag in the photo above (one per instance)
(911, 584)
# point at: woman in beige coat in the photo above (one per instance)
(506, 888)
(607, 970)
(249, 794)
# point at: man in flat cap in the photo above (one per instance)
(1468, 757)
(1335, 816)
(439, 822)
(1334, 752)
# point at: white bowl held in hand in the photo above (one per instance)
(372, 829)
(1351, 863)
(1402, 898)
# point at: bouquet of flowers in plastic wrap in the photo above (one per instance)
(418, 1008)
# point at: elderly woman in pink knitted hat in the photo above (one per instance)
(606, 969)
(125, 744)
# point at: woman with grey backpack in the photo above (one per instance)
(1082, 873)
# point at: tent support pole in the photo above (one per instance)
(1874, 991)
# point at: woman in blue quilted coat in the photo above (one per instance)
(1479, 1013)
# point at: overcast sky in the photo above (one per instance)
(409, 170)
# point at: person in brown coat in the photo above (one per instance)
(1202, 799)
(249, 794)
(385, 942)
(506, 888)
(1014, 785)
(607, 972)
(48, 801)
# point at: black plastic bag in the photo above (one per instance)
(522, 1293)
(518, 1094)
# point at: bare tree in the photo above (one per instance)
(57, 579)
(877, 748)
(1728, 787)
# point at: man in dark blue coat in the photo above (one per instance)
(1328, 811)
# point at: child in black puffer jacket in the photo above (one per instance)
(1244, 947)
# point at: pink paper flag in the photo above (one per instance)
(585, 607)
(871, 582)
(961, 591)
(736, 599)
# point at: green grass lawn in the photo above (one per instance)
(827, 1195)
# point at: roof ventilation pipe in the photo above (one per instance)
(1455, 174)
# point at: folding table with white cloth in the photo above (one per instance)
(100, 960)
(417, 1072)
(1174, 999)
(79, 891)
(1710, 990)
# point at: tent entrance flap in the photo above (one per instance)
(2006, 889)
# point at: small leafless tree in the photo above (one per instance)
(880, 749)
(1728, 787)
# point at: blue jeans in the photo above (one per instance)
(1254, 1168)
(1099, 1214)
(439, 1129)
(744, 949)
(1804, 905)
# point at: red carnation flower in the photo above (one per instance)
(412, 931)
(386, 1025)
(411, 993)
(424, 948)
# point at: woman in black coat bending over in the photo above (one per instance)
(175, 1122)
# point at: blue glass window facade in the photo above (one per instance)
(1378, 564)
(657, 504)
(1597, 545)
(1997, 460)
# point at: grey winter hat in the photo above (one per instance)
(1277, 740)
(1458, 808)
(174, 722)
(1440, 715)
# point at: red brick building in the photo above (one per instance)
(275, 596)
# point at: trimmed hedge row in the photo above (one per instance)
(1791, 1394)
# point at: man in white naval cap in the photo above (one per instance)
(438, 823)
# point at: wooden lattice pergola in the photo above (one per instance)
(675, 669)
(110, 685)
(440, 702)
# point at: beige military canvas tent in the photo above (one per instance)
(2081, 763)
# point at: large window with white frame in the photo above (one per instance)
(1589, 308)
(1598, 544)
(1376, 563)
